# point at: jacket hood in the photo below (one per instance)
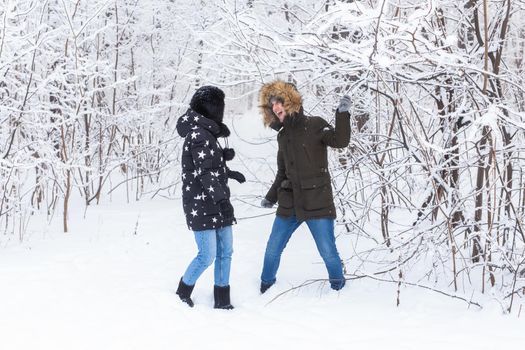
(191, 120)
(287, 92)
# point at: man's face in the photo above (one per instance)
(278, 110)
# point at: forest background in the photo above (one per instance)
(432, 184)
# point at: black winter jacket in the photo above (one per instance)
(204, 173)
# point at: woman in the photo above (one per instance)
(205, 193)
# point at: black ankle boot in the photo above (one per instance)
(184, 293)
(222, 298)
(265, 287)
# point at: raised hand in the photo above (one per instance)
(345, 104)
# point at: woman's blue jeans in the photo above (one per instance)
(323, 232)
(214, 245)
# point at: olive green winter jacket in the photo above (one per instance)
(302, 185)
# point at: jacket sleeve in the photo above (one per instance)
(207, 164)
(339, 136)
(279, 177)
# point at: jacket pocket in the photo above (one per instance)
(285, 198)
(316, 193)
(209, 207)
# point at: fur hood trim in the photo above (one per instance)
(287, 92)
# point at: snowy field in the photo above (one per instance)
(110, 284)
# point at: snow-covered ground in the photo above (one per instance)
(110, 284)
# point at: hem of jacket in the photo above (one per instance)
(212, 226)
(307, 217)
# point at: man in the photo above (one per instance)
(302, 185)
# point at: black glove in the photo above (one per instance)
(226, 209)
(224, 131)
(228, 154)
(266, 203)
(345, 104)
(239, 177)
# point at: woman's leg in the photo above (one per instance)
(207, 245)
(224, 256)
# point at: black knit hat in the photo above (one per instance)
(209, 101)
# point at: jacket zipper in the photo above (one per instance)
(307, 154)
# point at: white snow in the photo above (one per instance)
(110, 284)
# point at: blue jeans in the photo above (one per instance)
(323, 232)
(216, 244)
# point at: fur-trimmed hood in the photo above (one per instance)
(292, 100)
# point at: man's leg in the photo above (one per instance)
(282, 230)
(323, 232)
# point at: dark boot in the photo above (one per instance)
(265, 287)
(184, 292)
(222, 298)
(337, 284)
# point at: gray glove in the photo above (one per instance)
(266, 203)
(345, 104)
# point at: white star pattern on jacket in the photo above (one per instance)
(202, 158)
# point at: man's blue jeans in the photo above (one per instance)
(213, 245)
(323, 232)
